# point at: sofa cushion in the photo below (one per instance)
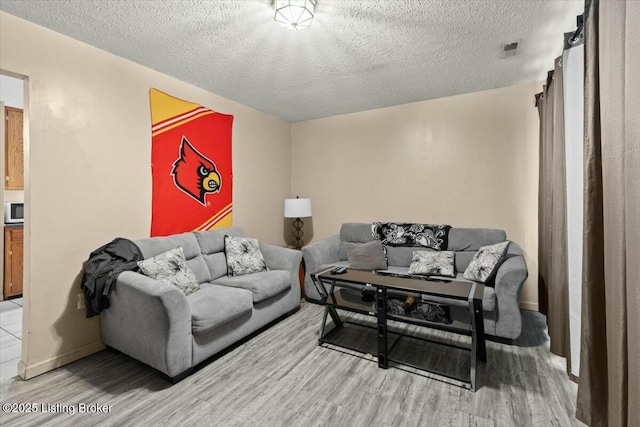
(217, 264)
(463, 258)
(170, 267)
(366, 256)
(488, 299)
(187, 241)
(485, 262)
(213, 306)
(243, 256)
(433, 263)
(212, 241)
(395, 269)
(156, 245)
(263, 285)
(199, 268)
(472, 239)
(355, 232)
(211, 245)
(400, 256)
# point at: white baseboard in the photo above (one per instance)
(533, 306)
(26, 371)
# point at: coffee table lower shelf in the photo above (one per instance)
(415, 354)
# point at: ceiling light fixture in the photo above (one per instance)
(294, 14)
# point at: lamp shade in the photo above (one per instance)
(297, 208)
(294, 14)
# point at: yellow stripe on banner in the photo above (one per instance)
(209, 224)
(215, 218)
(175, 125)
(164, 106)
(224, 222)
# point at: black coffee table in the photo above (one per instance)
(345, 293)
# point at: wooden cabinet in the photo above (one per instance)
(14, 150)
(13, 260)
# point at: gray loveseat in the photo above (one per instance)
(156, 323)
(501, 300)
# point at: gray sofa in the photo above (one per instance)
(156, 323)
(502, 317)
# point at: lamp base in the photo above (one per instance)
(297, 233)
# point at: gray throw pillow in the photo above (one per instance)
(485, 262)
(366, 256)
(243, 256)
(433, 263)
(171, 267)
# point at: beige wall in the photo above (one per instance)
(89, 178)
(469, 161)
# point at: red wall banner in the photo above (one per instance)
(190, 166)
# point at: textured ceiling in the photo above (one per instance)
(357, 55)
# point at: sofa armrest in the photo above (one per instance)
(279, 258)
(510, 279)
(150, 321)
(323, 252)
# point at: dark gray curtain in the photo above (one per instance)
(544, 102)
(553, 290)
(609, 383)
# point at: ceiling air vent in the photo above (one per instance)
(510, 49)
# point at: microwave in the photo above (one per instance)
(13, 212)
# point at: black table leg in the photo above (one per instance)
(478, 348)
(325, 296)
(381, 306)
(334, 316)
(479, 324)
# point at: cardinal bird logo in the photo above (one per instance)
(194, 174)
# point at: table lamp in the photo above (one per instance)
(297, 208)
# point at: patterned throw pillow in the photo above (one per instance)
(366, 256)
(485, 262)
(243, 256)
(433, 263)
(409, 234)
(171, 267)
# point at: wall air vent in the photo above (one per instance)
(510, 49)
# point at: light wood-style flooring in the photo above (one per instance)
(283, 378)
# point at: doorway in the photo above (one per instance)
(12, 101)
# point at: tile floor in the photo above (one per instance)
(10, 337)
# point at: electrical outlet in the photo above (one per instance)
(81, 303)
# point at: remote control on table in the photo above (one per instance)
(339, 270)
